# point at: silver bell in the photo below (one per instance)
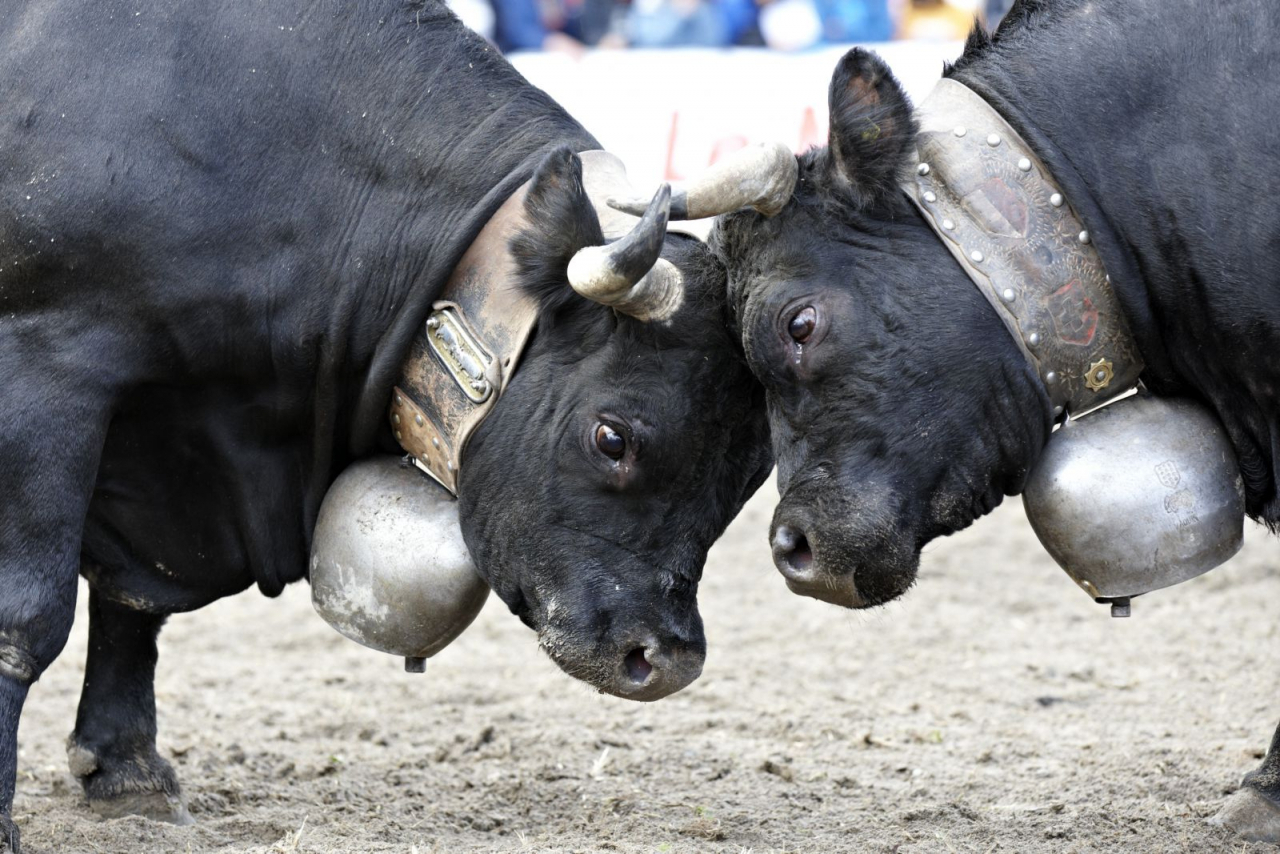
(389, 568)
(1139, 495)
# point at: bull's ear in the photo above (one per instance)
(560, 221)
(871, 126)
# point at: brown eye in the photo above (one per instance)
(802, 324)
(610, 442)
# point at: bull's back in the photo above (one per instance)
(207, 211)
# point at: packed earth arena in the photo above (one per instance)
(332, 304)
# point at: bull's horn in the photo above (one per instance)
(627, 274)
(759, 176)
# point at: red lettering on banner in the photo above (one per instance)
(669, 170)
(728, 145)
(809, 137)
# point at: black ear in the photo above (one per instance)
(560, 221)
(871, 126)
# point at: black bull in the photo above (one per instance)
(901, 408)
(222, 224)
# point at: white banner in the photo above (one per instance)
(669, 114)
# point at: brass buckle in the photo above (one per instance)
(460, 351)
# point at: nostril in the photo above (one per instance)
(791, 547)
(638, 667)
(801, 555)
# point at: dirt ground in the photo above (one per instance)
(995, 708)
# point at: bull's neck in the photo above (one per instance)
(457, 131)
(1149, 149)
(1065, 115)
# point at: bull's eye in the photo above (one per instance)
(802, 324)
(610, 442)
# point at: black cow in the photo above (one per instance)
(222, 226)
(901, 408)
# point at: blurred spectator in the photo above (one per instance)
(854, 21)
(574, 25)
(591, 22)
(565, 25)
(689, 23)
(938, 20)
(798, 24)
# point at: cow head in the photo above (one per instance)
(630, 436)
(901, 409)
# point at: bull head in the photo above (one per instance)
(621, 448)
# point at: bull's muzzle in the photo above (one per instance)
(796, 559)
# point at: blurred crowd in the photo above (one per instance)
(575, 25)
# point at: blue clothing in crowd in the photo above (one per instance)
(517, 25)
(846, 21)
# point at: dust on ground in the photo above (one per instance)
(995, 708)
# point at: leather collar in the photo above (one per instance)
(998, 210)
(469, 348)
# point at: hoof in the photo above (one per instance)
(1251, 816)
(9, 836)
(157, 806)
(144, 785)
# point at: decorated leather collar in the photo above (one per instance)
(469, 348)
(999, 212)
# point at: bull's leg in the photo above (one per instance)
(1253, 813)
(113, 748)
(53, 419)
(13, 691)
(39, 541)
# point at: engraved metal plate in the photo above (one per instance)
(461, 354)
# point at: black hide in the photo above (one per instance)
(222, 223)
(909, 411)
(901, 407)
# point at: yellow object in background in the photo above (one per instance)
(938, 20)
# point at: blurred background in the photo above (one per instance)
(574, 26)
(672, 86)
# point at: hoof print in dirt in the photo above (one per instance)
(1251, 816)
(144, 785)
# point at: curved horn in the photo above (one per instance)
(627, 274)
(759, 176)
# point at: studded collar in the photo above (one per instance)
(999, 212)
(466, 353)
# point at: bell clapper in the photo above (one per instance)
(1120, 607)
(416, 664)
